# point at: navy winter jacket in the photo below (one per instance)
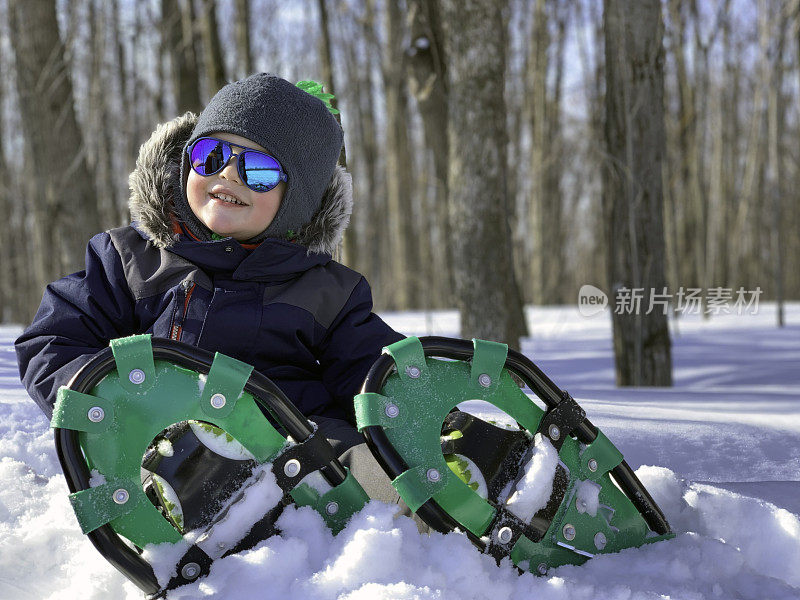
(300, 318)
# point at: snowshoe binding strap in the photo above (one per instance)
(546, 489)
(184, 410)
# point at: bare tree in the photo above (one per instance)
(214, 63)
(426, 68)
(64, 204)
(177, 33)
(243, 46)
(543, 111)
(400, 187)
(99, 122)
(6, 268)
(633, 199)
(773, 49)
(427, 78)
(485, 285)
(348, 248)
(369, 225)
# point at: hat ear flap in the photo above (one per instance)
(325, 230)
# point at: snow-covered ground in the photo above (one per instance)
(719, 451)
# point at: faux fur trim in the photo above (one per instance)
(325, 230)
(157, 179)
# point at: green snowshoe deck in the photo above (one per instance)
(125, 397)
(404, 408)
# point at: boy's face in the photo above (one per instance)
(249, 215)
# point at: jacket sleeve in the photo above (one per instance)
(78, 316)
(352, 344)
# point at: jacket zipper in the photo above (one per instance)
(177, 326)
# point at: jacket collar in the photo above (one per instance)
(157, 179)
(272, 261)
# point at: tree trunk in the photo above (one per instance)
(590, 19)
(731, 132)
(555, 252)
(774, 170)
(214, 63)
(347, 249)
(99, 123)
(127, 122)
(64, 204)
(426, 71)
(161, 80)
(179, 38)
(485, 285)
(243, 47)
(718, 117)
(400, 187)
(545, 213)
(633, 199)
(7, 275)
(536, 93)
(369, 211)
(688, 188)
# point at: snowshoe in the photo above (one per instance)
(546, 489)
(164, 442)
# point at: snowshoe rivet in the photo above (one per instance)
(392, 411)
(485, 380)
(332, 508)
(292, 467)
(121, 496)
(218, 400)
(433, 475)
(554, 432)
(190, 570)
(592, 465)
(600, 540)
(504, 535)
(542, 568)
(96, 414)
(136, 376)
(569, 532)
(413, 372)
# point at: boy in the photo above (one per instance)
(236, 215)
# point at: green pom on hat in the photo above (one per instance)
(315, 89)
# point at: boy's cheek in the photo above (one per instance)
(195, 191)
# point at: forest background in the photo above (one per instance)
(481, 135)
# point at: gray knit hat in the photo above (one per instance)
(293, 126)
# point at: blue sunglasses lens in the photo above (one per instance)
(209, 156)
(259, 171)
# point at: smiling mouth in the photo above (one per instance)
(228, 199)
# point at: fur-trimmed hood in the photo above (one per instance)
(156, 180)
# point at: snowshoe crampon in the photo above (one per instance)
(158, 438)
(548, 490)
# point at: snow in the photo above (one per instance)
(720, 453)
(218, 441)
(534, 489)
(588, 495)
(165, 448)
(97, 479)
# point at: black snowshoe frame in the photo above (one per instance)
(315, 452)
(562, 418)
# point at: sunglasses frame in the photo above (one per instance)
(281, 173)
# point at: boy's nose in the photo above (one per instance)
(231, 170)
